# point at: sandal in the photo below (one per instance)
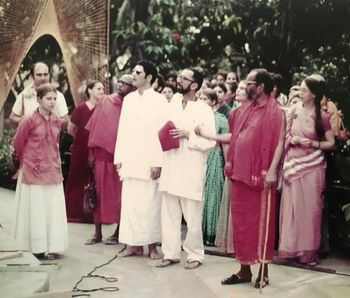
(51, 256)
(265, 282)
(167, 262)
(235, 279)
(93, 241)
(112, 240)
(192, 264)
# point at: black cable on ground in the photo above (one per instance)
(77, 292)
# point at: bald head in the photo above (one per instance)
(40, 73)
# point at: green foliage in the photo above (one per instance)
(5, 160)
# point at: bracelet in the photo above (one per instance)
(319, 145)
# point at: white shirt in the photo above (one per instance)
(137, 146)
(184, 169)
(27, 99)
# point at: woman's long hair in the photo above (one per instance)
(318, 87)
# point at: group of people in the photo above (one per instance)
(237, 146)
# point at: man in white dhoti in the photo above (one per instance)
(138, 156)
(183, 173)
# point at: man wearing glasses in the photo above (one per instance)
(139, 156)
(183, 172)
(256, 147)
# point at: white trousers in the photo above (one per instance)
(172, 209)
(140, 212)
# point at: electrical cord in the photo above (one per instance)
(84, 292)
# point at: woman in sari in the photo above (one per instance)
(308, 133)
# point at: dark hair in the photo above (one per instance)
(220, 85)
(160, 82)
(263, 77)
(278, 81)
(170, 75)
(222, 73)
(197, 77)
(43, 89)
(89, 85)
(35, 64)
(318, 88)
(211, 94)
(232, 86)
(149, 68)
(171, 86)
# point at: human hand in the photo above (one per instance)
(155, 172)
(305, 142)
(228, 169)
(270, 178)
(295, 140)
(179, 133)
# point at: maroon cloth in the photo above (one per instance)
(78, 170)
(167, 141)
(37, 145)
(108, 188)
(103, 128)
(103, 125)
(254, 141)
(249, 211)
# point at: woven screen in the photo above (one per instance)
(81, 28)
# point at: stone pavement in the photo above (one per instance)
(139, 278)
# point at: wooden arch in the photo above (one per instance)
(81, 28)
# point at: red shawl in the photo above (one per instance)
(266, 136)
(103, 124)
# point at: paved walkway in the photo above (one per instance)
(139, 278)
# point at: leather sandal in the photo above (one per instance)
(235, 279)
(265, 282)
(192, 264)
(93, 241)
(167, 262)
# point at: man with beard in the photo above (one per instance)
(183, 172)
(255, 151)
(139, 156)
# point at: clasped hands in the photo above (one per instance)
(305, 142)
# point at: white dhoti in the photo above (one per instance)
(172, 209)
(140, 212)
(40, 221)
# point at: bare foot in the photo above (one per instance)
(154, 255)
(131, 251)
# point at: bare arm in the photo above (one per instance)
(221, 138)
(271, 176)
(326, 144)
(72, 129)
(64, 121)
(15, 118)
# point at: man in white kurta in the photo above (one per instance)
(183, 173)
(138, 156)
(26, 102)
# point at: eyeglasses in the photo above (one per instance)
(182, 77)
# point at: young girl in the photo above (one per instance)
(215, 174)
(40, 223)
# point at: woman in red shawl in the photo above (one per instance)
(255, 150)
(78, 170)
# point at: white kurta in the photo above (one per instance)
(30, 103)
(183, 172)
(183, 178)
(138, 149)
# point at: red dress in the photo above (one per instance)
(78, 171)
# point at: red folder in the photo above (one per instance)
(166, 140)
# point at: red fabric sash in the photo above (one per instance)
(266, 139)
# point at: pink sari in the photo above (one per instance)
(302, 192)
